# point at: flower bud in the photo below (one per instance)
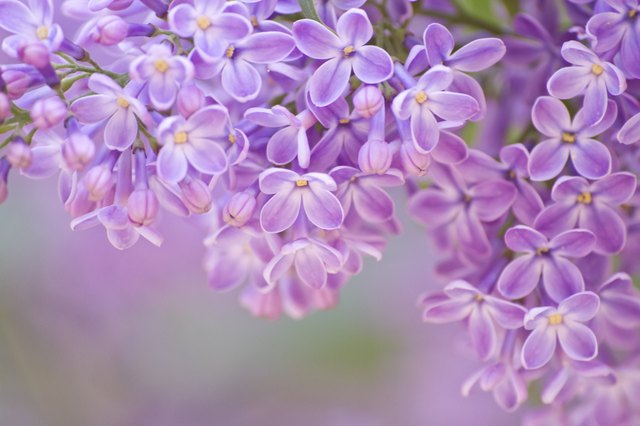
(196, 195)
(47, 113)
(367, 101)
(35, 54)
(109, 30)
(19, 155)
(239, 209)
(99, 180)
(190, 99)
(143, 207)
(20, 79)
(375, 157)
(413, 162)
(4, 175)
(5, 107)
(78, 150)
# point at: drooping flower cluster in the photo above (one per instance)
(286, 134)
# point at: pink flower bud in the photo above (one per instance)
(375, 157)
(414, 162)
(19, 155)
(143, 207)
(239, 209)
(78, 151)
(110, 30)
(196, 195)
(5, 107)
(20, 80)
(35, 54)
(99, 180)
(367, 101)
(47, 113)
(190, 99)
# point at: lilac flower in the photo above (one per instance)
(210, 24)
(505, 380)
(462, 209)
(571, 375)
(291, 141)
(164, 74)
(430, 98)
(475, 56)
(619, 315)
(240, 79)
(630, 132)
(192, 141)
(342, 53)
(363, 192)
(618, 31)
(485, 313)
(592, 206)
(567, 138)
(590, 76)
(312, 261)
(118, 106)
(292, 192)
(564, 324)
(544, 260)
(29, 25)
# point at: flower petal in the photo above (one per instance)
(569, 82)
(573, 243)
(520, 277)
(354, 28)
(578, 341)
(523, 239)
(608, 227)
(121, 129)
(322, 208)
(539, 347)
(315, 40)
(561, 278)
(550, 116)
(372, 64)
(580, 307)
(438, 43)
(547, 159)
(453, 106)
(477, 55)
(241, 80)
(280, 212)
(310, 268)
(329, 81)
(172, 163)
(482, 333)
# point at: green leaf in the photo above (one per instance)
(309, 10)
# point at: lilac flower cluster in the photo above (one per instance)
(285, 134)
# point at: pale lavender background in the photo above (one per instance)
(93, 336)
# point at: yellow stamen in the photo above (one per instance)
(421, 97)
(203, 22)
(42, 32)
(479, 298)
(232, 138)
(344, 121)
(597, 69)
(254, 21)
(230, 51)
(181, 137)
(568, 137)
(122, 102)
(161, 65)
(348, 51)
(302, 182)
(585, 198)
(541, 251)
(633, 13)
(555, 319)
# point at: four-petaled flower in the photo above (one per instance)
(342, 53)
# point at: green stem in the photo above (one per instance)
(461, 17)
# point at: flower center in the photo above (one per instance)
(161, 65)
(230, 51)
(568, 137)
(203, 22)
(180, 137)
(633, 13)
(597, 69)
(254, 21)
(348, 51)
(479, 298)
(421, 97)
(585, 198)
(232, 138)
(555, 319)
(42, 32)
(122, 102)
(541, 251)
(302, 182)
(344, 121)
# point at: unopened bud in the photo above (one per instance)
(19, 155)
(143, 207)
(109, 30)
(196, 195)
(190, 99)
(239, 209)
(375, 157)
(47, 113)
(99, 180)
(5, 107)
(367, 101)
(35, 54)
(78, 151)
(413, 162)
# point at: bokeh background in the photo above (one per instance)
(93, 336)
